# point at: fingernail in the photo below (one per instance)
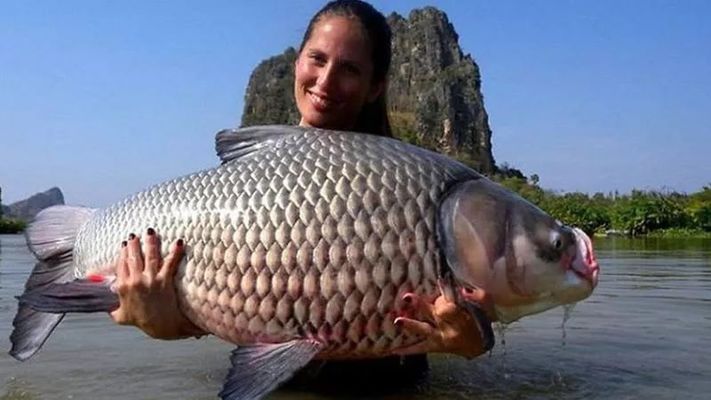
(180, 243)
(131, 236)
(124, 243)
(398, 322)
(407, 298)
(150, 232)
(468, 290)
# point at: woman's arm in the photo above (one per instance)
(146, 289)
(447, 327)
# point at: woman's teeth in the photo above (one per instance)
(319, 101)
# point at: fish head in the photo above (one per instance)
(525, 260)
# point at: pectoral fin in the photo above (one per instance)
(259, 369)
(78, 296)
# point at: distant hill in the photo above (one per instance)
(435, 97)
(28, 208)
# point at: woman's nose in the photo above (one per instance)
(327, 76)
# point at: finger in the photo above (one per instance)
(151, 250)
(118, 316)
(135, 258)
(122, 267)
(415, 327)
(475, 295)
(482, 299)
(444, 309)
(447, 291)
(171, 262)
(417, 307)
(423, 310)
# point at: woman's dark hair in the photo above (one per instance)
(373, 118)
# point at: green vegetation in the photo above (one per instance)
(11, 225)
(652, 213)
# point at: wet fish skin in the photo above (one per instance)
(318, 237)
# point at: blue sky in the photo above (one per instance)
(103, 98)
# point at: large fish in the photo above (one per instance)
(302, 244)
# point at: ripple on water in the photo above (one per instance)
(643, 334)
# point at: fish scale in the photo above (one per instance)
(317, 237)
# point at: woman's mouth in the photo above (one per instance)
(320, 103)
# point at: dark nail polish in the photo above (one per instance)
(407, 299)
(469, 291)
(398, 322)
(124, 243)
(131, 236)
(150, 232)
(180, 243)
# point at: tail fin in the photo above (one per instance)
(51, 238)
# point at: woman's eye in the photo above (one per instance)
(351, 69)
(318, 59)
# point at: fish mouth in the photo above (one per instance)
(584, 264)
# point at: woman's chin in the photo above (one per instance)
(319, 120)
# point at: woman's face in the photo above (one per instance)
(333, 74)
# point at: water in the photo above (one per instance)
(645, 333)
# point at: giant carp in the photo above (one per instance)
(301, 245)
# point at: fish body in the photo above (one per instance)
(303, 242)
(318, 236)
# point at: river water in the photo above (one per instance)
(645, 333)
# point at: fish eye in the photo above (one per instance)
(556, 241)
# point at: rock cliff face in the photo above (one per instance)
(270, 92)
(434, 94)
(28, 208)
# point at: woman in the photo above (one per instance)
(340, 81)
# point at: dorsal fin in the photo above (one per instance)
(232, 144)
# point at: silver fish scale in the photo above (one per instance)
(317, 236)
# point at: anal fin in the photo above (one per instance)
(259, 369)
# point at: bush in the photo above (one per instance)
(577, 209)
(698, 209)
(12, 225)
(642, 212)
(638, 213)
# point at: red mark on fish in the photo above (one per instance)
(96, 278)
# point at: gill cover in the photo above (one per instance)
(473, 228)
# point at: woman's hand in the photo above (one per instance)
(146, 289)
(447, 327)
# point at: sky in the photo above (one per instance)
(104, 98)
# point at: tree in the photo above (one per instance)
(534, 179)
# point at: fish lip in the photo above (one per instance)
(583, 263)
(590, 273)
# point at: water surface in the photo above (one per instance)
(645, 333)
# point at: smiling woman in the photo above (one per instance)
(340, 73)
